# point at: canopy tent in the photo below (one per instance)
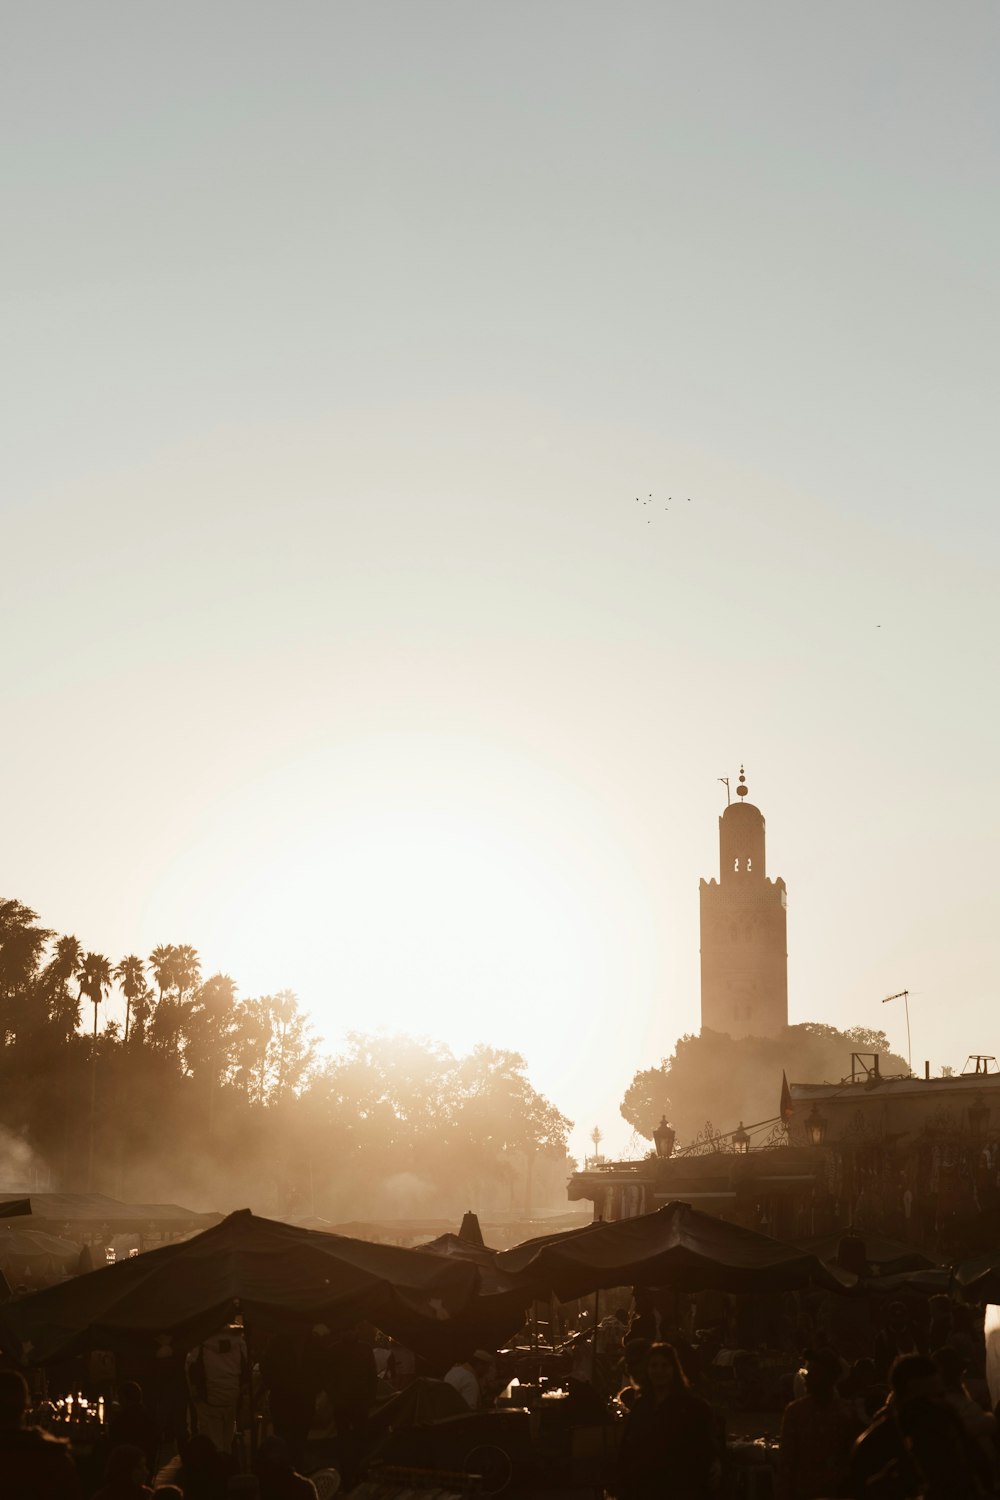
(891, 1257)
(677, 1246)
(926, 1282)
(454, 1247)
(14, 1208)
(27, 1253)
(441, 1300)
(276, 1275)
(505, 1297)
(978, 1279)
(93, 1214)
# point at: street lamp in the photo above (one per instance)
(815, 1127)
(663, 1138)
(741, 1141)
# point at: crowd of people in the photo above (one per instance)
(906, 1418)
(910, 1421)
(180, 1433)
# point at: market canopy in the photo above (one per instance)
(892, 1257)
(97, 1209)
(14, 1208)
(978, 1279)
(27, 1252)
(677, 1246)
(442, 1301)
(274, 1274)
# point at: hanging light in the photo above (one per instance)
(663, 1138)
(741, 1141)
(815, 1127)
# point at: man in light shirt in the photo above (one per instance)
(467, 1378)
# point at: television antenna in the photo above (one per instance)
(904, 995)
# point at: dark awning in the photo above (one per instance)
(272, 1273)
(14, 1208)
(677, 1246)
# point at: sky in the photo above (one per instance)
(441, 440)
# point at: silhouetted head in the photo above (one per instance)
(897, 1317)
(13, 1399)
(273, 1457)
(951, 1365)
(635, 1352)
(822, 1372)
(635, 1358)
(198, 1454)
(852, 1254)
(663, 1370)
(940, 1307)
(130, 1394)
(126, 1465)
(914, 1378)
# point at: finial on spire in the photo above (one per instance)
(742, 789)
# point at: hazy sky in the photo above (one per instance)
(339, 339)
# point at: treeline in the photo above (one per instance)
(221, 1101)
(712, 1082)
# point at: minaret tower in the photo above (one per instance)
(744, 952)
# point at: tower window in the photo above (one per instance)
(749, 864)
(736, 866)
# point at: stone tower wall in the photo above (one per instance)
(744, 946)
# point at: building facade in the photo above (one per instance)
(915, 1159)
(744, 945)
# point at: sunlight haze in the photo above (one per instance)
(344, 346)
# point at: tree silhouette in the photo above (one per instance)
(222, 1102)
(130, 973)
(726, 1079)
(95, 980)
(163, 963)
(22, 943)
(61, 1003)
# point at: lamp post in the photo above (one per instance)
(741, 1141)
(815, 1127)
(664, 1137)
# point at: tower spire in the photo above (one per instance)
(744, 948)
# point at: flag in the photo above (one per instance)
(787, 1107)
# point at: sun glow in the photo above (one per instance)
(464, 902)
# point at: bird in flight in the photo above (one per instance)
(649, 500)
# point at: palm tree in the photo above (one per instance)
(208, 1033)
(95, 979)
(63, 1008)
(187, 970)
(163, 962)
(94, 975)
(131, 977)
(67, 957)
